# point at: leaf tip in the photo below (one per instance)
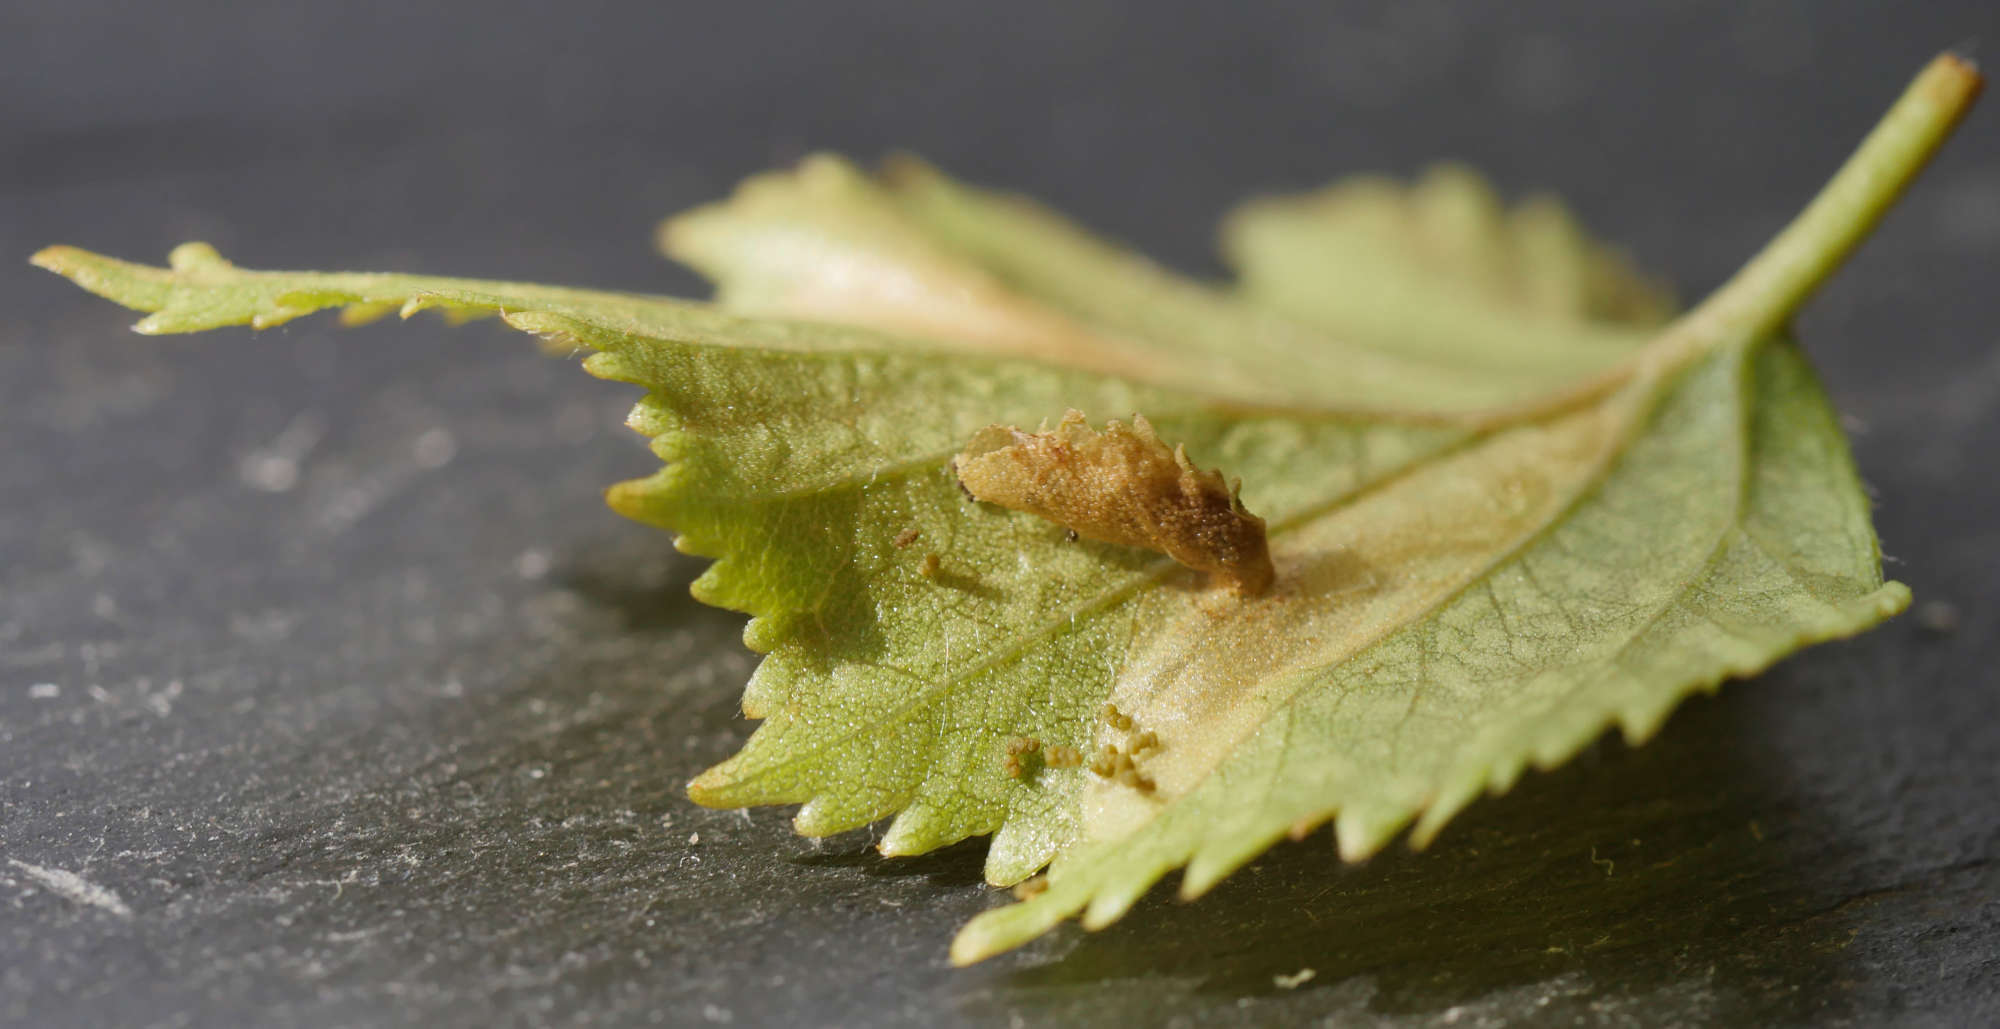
(709, 788)
(972, 945)
(358, 314)
(1891, 599)
(673, 237)
(827, 814)
(417, 302)
(56, 258)
(996, 931)
(902, 168)
(196, 256)
(1362, 830)
(1203, 873)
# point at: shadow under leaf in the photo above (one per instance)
(1676, 866)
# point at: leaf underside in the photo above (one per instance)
(1469, 582)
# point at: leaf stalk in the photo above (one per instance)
(1762, 297)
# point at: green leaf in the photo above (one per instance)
(1441, 268)
(917, 254)
(1435, 273)
(1499, 524)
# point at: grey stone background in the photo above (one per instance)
(331, 694)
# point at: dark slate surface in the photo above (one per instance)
(331, 694)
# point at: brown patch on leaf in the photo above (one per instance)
(1121, 767)
(1122, 485)
(906, 537)
(1017, 748)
